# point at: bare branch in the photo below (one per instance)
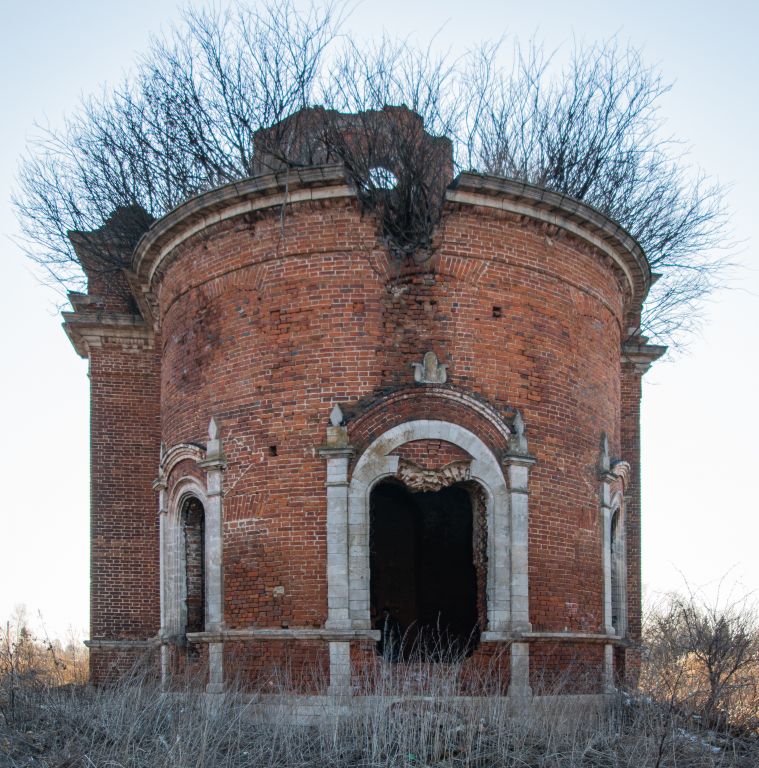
(193, 116)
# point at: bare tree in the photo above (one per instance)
(192, 116)
(592, 130)
(181, 124)
(704, 656)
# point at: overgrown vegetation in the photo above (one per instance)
(414, 718)
(184, 121)
(703, 658)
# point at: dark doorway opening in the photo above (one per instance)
(424, 583)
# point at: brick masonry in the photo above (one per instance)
(265, 318)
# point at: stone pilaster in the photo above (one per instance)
(214, 464)
(519, 684)
(337, 452)
(606, 478)
(163, 532)
(339, 668)
(518, 463)
(609, 668)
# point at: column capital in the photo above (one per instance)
(217, 464)
(336, 452)
(518, 459)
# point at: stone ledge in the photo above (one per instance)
(575, 637)
(87, 330)
(295, 633)
(123, 644)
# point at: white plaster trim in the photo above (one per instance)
(174, 583)
(618, 563)
(376, 464)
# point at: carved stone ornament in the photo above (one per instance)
(336, 417)
(517, 441)
(621, 469)
(214, 451)
(430, 371)
(417, 478)
(604, 461)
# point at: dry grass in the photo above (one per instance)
(135, 725)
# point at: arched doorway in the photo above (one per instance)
(427, 570)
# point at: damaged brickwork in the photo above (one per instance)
(326, 364)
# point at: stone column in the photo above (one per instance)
(164, 632)
(518, 462)
(606, 478)
(337, 452)
(519, 683)
(214, 464)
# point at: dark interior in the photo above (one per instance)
(423, 580)
(194, 535)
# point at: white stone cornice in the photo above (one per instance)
(574, 216)
(231, 200)
(124, 644)
(640, 354)
(88, 330)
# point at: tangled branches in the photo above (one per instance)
(187, 120)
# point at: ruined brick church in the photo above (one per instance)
(301, 437)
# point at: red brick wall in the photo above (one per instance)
(631, 394)
(267, 325)
(268, 320)
(486, 671)
(277, 666)
(110, 665)
(125, 438)
(431, 454)
(566, 667)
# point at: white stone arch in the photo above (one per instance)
(177, 453)
(374, 465)
(618, 564)
(173, 581)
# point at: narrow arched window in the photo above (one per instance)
(617, 573)
(193, 529)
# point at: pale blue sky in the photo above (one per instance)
(700, 420)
